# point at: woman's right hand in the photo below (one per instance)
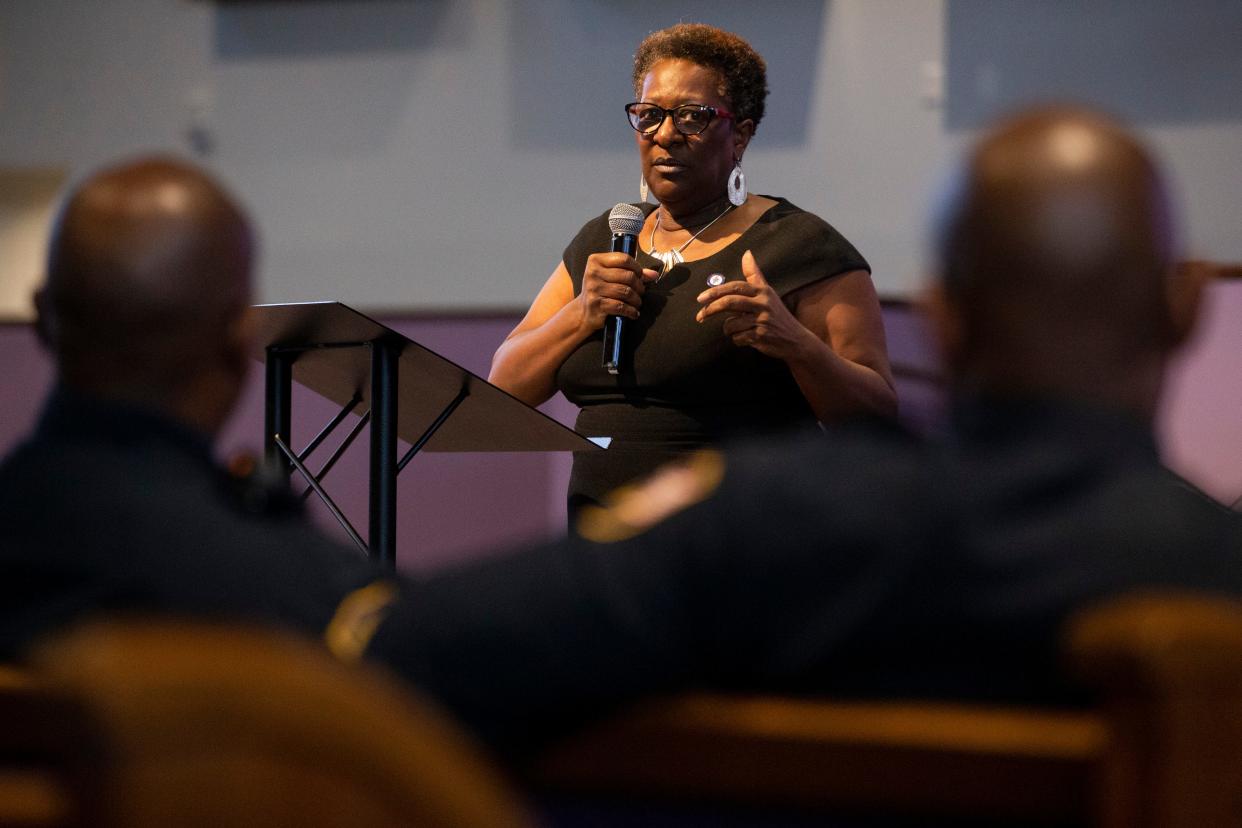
(558, 321)
(612, 285)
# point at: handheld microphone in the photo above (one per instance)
(625, 221)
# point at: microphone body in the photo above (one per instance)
(625, 221)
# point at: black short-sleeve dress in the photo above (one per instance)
(685, 384)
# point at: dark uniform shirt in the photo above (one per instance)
(861, 562)
(858, 562)
(112, 507)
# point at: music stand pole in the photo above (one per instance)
(339, 354)
(382, 539)
(278, 406)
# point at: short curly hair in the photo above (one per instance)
(742, 70)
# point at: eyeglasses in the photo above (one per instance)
(688, 119)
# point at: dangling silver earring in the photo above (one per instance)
(642, 189)
(737, 185)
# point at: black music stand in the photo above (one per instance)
(411, 392)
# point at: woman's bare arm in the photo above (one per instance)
(525, 364)
(832, 339)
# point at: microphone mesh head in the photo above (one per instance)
(626, 218)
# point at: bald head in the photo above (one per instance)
(148, 281)
(1056, 245)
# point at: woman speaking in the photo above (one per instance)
(742, 313)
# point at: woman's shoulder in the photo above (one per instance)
(800, 231)
(790, 216)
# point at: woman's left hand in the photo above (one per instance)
(755, 316)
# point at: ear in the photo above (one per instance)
(1184, 288)
(45, 321)
(948, 328)
(743, 131)
(240, 339)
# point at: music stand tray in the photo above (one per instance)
(408, 391)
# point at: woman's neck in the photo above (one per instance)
(691, 218)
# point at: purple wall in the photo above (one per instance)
(1201, 419)
(25, 374)
(456, 506)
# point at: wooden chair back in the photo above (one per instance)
(1168, 669)
(1163, 748)
(46, 742)
(214, 725)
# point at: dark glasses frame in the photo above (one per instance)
(712, 113)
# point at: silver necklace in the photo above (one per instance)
(672, 257)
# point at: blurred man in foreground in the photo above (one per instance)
(115, 502)
(865, 562)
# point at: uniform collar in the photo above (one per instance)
(76, 417)
(986, 418)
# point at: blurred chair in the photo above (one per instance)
(1169, 674)
(1163, 749)
(212, 725)
(45, 745)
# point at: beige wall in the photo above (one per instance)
(439, 154)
